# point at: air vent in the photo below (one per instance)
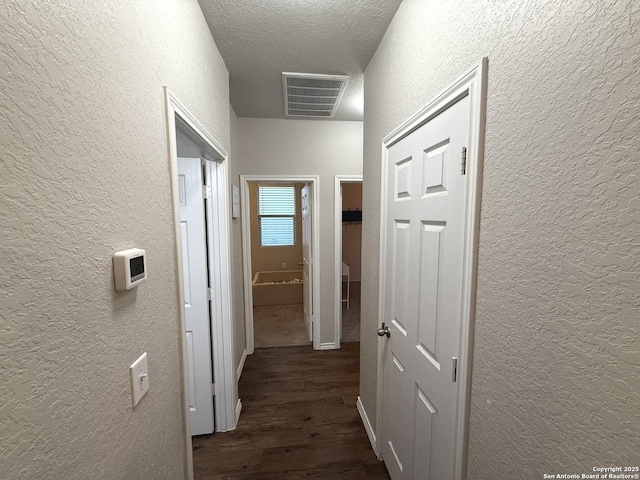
(311, 95)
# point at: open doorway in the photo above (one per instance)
(276, 264)
(199, 191)
(281, 284)
(348, 247)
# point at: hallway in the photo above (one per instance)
(299, 420)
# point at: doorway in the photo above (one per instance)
(268, 237)
(277, 277)
(212, 386)
(347, 261)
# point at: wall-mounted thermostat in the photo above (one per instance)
(129, 268)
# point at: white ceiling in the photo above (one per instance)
(260, 39)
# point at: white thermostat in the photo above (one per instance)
(129, 268)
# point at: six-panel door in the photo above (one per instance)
(425, 211)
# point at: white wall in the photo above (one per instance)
(237, 288)
(556, 373)
(85, 172)
(307, 147)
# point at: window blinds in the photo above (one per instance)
(276, 213)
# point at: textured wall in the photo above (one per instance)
(556, 381)
(237, 292)
(85, 173)
(307, 147)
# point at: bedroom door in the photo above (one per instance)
(196, 283)
(425, 231)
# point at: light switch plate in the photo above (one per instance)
(139, 375)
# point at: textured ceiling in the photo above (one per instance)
(260, 39)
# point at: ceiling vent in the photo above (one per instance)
(311, 95)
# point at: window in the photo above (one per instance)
(277, 215)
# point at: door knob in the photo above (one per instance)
(301, 264)
(384, 330)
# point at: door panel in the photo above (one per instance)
(425, 414)
(431, 239)
(186, 272)
(423, 309)
(397, 447)
(400, 275)
(191, 371)
(195, 272)
(403, 179)
(434, 171)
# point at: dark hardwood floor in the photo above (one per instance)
(298, 420)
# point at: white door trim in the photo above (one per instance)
(337, 202)
(246, 249)
(474, 84)
(223, 357)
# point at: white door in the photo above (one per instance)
(307, 261)
(196, 303)
(426, 197)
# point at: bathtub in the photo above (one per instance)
(283, 287)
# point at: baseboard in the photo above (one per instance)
(241, 365)
(238, 410)
(367, 424)
(328, 346)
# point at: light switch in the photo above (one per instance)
(139, 374)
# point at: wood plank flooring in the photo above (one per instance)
(298, 420)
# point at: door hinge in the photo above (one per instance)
(213, 390)
(463, 162)
(209, 294)
(206, 191)
(454, 374)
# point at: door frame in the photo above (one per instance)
(338, 181)
(246, 249)
(474, 84)
(222, 348)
